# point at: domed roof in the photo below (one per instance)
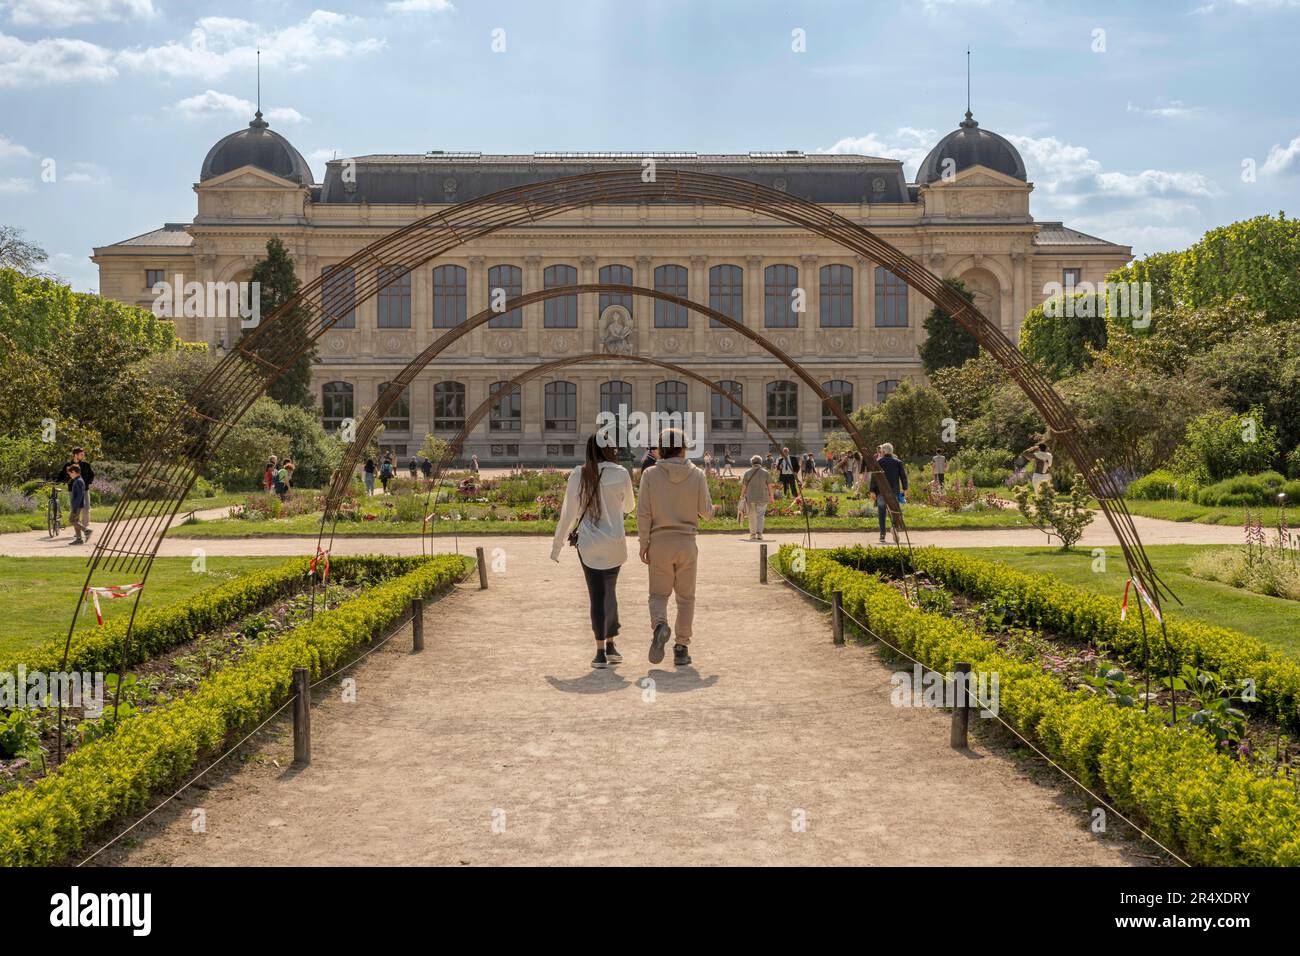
(967, 146)
(256, 146)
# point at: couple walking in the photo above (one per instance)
(674, 496)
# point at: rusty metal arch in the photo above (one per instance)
(131, 539)
(481, 410)
(370, 422)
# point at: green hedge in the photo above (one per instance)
(159, 629)
(1195, 800)
(104, 780)
(1047, 602)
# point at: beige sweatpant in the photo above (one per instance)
(672, 571)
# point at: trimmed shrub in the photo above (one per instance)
(1159, 485)
(1243, 490)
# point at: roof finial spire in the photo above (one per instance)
(969, 122)
(258, 122)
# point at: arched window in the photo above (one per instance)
(779, 283)
(505, 282)
(506, 414)
(448, 406)
(561, 312)
(841, 393)
(726, 415)
(615, 275)
(339, 295)
(782, 406)
(727, 293)
(394, 299)
(670, 315)
(398, 416)
(836, 298)
(336, 404)
(561, 407)
(891, 300)
(614, 395)
(448, 297)
(671, 396)
(885, 389)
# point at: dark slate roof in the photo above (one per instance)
(256, 146)
(446, 177)
(1059, 234)
(170, 234)
(968, 146)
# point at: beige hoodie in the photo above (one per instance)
(674, 496)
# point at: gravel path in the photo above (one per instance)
(500, 745)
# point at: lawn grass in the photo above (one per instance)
(919, 517)
(1275, 620)
(37, 594)
(1186, 511)
(35, 520)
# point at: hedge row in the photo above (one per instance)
(160, 629)
(1049, 603)
(1194, 799)
(103, 780)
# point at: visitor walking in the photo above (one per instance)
(413, 467)
(939, 466)
(87, 474)
(284, 480)
(1041, 459)
(473, 465)
(727, 462)
(674, 497)
(787, 469)
(426, 468)
(756, 493)
(80, 501)
(268, 473)
(368, 476)
(598, 494)
(893, 471)
(386, 471)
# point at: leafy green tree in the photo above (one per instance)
(1050, 512)
(967, 388)
(911, 419)
(315, 453)
(947, 343)
(1259, 368)
(1219, 446)
(1061, 336)
(278, 283)
(18, 253)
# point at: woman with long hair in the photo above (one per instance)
(599, 493)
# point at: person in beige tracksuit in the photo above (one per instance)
(674, 496)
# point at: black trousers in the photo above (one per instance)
(788, 485)
(602, 589)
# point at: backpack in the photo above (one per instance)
(386, 470)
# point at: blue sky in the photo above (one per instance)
(1138, 133)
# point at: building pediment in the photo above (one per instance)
(247, 177)
(981, 177)
(250, 194)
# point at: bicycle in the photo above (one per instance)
(54, 512)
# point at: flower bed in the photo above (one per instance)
(103, 780)
(1200, 802)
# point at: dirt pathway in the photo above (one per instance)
(499, 745)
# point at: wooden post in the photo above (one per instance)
(961, 707)
(837, 616)
(482, 569)
(301, 715)
(417, 626)
(762, 564)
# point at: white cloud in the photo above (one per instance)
(15, 185)
(11, 150)
(1283, 159)
(1173, 109)
(907, 144)
(1068, 174)
(88, 174)
(51, 61)
(214, 103)
(218, 46)
(325, 155)
(63, 13)
(1247, 4)
(420, 6)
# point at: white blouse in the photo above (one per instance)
(601, 544)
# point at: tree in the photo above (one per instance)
(1067, 516)
(1219, 446)
(1061, 336)
(18, 253)
(277, 284)
(315, 453)
(968, 387)
(911, 419)
(947, 343)
(1259, 368)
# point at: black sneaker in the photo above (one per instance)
(681, 655)
(611, 653)
(88, 532)
(882, 539)
(76, 541)
(599, 660)
(662, 633)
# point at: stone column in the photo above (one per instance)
(475, 301)
(698, 291)
(810, 281)
(754, 300)
(533, 313)
(588, 320)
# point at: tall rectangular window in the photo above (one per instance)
(560, 312)
(836, 298)
(891, 300)
(1071, 279)
(727, 293)
(505, 282)
(449, 302)
(394, 299)
(672, 280)
(779, 283)
(339, 295)
(615, 275)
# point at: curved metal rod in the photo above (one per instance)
(225, 394)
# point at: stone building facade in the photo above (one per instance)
(966, 216)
